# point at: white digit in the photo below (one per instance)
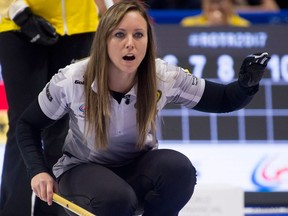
(171, 59)
(273, 66)
(284, 67)
(198, 61)
(225, 69)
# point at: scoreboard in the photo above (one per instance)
(216, 53)
(247, 148)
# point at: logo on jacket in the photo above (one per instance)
(48, 94)
(194, 78)
(79, 82)
(159, 95)
(82, 110)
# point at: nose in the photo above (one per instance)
(130, 43)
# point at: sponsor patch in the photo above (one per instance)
(79, 82)
(48, 94)
(194, 80)
(82, 110)
(159, 95)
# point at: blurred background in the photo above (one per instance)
(247, 148)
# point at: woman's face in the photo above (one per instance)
(218, 11)
(127, 44)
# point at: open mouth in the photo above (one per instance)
(129, 57)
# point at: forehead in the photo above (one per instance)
(133, 19)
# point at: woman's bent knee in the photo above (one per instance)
(118, 202)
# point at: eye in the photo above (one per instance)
(138, 35)
(119, 34)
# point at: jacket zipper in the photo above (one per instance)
(64, 17)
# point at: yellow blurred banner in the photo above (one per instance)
(3, 126)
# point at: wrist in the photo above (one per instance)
(251, 90)
(23, 16)
(16, 8)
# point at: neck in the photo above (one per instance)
(121, 84)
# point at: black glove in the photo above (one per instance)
(252, 69)
(35, 28)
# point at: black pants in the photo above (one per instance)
(26, 68)
(160, 182)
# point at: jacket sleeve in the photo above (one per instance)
(220, 98)
(17, 7)
(28, 133)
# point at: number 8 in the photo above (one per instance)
(225, 68)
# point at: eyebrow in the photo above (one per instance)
(122, 29)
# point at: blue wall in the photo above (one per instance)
(175, 16)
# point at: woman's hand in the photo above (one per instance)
(252, 69)
(43, 185)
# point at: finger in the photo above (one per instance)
(264, 60)
(36, 191)
(49, 195)
(46, 28)
(259, 58)
(42, 191)
(260, 55)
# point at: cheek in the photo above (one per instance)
(112, 49)
(111, 44)
(109, 47)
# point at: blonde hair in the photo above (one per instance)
(98, 107)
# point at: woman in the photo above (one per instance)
(110, 163)
(216, 13)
